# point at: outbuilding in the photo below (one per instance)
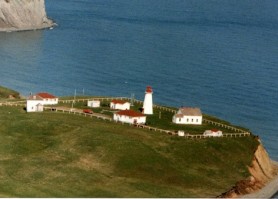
(213, 133)
(188, 115)
(129, 116)
(119, 104)
(180, 133)
(93, 103)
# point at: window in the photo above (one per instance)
(196, 120)
(192, 120)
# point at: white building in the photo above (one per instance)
(34, 106)
(180, 133)
(148, 101)
(36, 102)
(129, 116)
(93, 103)
(119, 105)
(188, 115)
(213, 133)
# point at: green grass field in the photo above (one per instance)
(53, 154)
(161, 118)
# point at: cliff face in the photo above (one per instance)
(262, 170)
(23, 15)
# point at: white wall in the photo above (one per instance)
(128, 119)
(148, 104)
(125, 106)
(197, 120)
(31, 105)
(50, 101)
(93, 104)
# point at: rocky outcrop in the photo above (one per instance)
(23, 15)
(262, 170)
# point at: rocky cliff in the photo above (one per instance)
(262, 170)
(23, 15)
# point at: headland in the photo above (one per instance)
(66, 152)
(23, 15)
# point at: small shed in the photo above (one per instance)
(119, 105)
(213, 133)
(93, 103)
(180, 133)
(34, 106)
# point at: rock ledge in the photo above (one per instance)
(17, 15)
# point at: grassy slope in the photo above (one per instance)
(5, 93)
(63, 155)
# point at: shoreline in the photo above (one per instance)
(50, 25)
(268, 191)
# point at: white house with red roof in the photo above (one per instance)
(36, 102)
(119, 104)
(213, 133)
(188, 115)
(129, 116)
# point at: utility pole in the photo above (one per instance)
(132, 99)
(73, 99)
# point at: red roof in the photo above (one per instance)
(130, 113)
(115, 101)
(149, 89)
(46, 95)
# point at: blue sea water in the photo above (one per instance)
(219, 55)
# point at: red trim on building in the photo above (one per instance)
(115, 101)
(149, 89)
(130, 113)
(46, 95)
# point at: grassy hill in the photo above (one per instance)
(64, 155)
(6, 93)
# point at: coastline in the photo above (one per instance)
(269, 190)
(12, 29)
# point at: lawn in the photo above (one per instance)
(161, 118)
(53, 154)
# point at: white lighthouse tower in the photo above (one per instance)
(148, 101)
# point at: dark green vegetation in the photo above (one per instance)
(6, 93)
(64, 155)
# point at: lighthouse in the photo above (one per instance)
(148, 101)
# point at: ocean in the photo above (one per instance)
(219, 55)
